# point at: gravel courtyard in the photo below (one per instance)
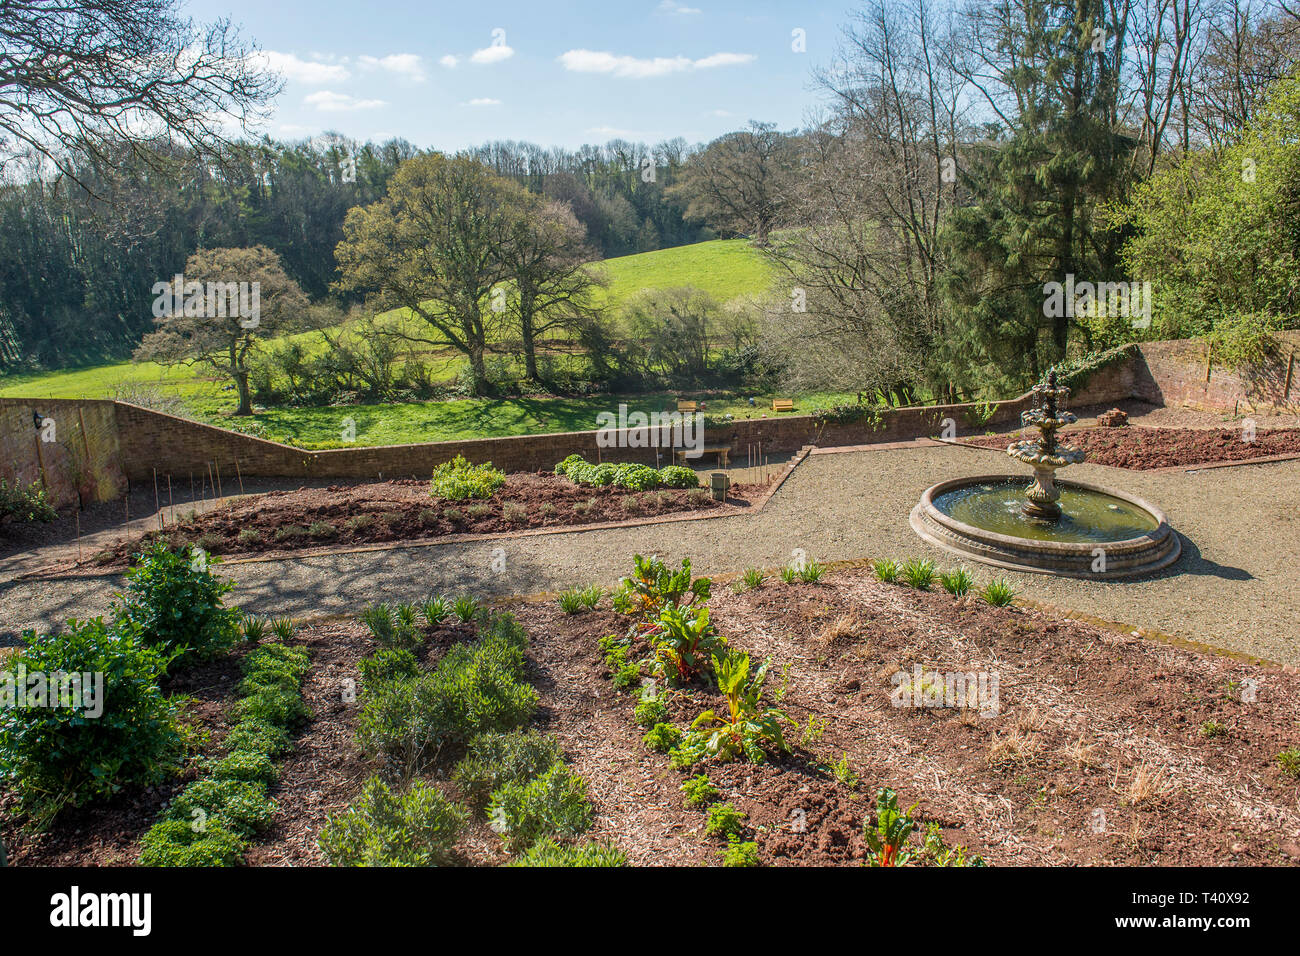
(1235, 586)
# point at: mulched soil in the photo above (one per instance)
(1105, 748)
(1139, 448)
(341, 516)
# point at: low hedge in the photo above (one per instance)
(628, 475)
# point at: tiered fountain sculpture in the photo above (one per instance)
(1045, 454)
(1052, 526)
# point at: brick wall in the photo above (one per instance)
(1174, 373)
(128, 442)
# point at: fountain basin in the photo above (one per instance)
(981, 518)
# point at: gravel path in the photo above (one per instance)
(1235, 586)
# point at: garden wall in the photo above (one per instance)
(124, 441)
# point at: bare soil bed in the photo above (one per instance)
(403, 510)
(1139, 448)
(1105, 748)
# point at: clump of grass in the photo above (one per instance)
(590, 596)
(789, 574)
(478, 511)
(428, 518)
(585, 508)
(453, 515)
(698, 496)
(514, 512)
(360, 522)
(283, 627)
(750, 579)
(249, 537)
(886, 570)
(322, 531)
(254, 627)
(998, 593)
(435, 610)
(290, 532)
(546, 509)
(211, 542)
(632, 505)
(811, 573)
(919, 573)
(570, 601)
(465, 608)
(1213, 728)
(957, 583)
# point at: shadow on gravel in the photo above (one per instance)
(1193, 562)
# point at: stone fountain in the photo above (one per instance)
(1050, 526)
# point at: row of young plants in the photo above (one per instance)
(629, 476)
(919, 573)
(460, 725)
(670, 614)
(210, 822)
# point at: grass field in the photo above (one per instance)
(723, 268)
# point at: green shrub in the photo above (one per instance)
(254, 628)
(547, 852)
(25, 503)
(570, 601)
(476, 688)
(553, 804)
(465, 607)
(257, 736)
(458, 479)
(241, 806)
(250, 765)
(678, 476)
(699, 791)
(176, 604)
(1288, 762)
(740, 853)
(493, 760)
(283, 627)
(627, 676)
(178, 843)
(387, 664)
(392, 627)
(249, 537)
(724, 821)
(434, 610)
(59, 756)
(417, 827)
(662, 738)
(273, 705)
(650, 711)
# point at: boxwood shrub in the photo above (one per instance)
(457, 480)
(384, 827)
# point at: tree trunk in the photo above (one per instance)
(527, 335)
(478, 371)
(245, 398)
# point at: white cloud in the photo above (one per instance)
(329, 102)
(313, 72)
(483, 101)
(449, 61)
(610, 131)
(720, 113)
(678, 9)
(493, 53)
(406, 65)
(595, 61)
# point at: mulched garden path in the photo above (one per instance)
(1139, 448)
(402, 510)
(1105, 748)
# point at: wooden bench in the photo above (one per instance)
(722, 451)
(686, 406)
(783, 404)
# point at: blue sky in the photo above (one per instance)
(451, 75)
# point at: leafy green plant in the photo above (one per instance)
(494, 760)
(590, 596)
(998, 593)
(570, 601)
(54, 757)
(740, 853)
(684, 641)
(747, 725)
(843, 772)
(554, 804)
(1213, 728)
(654, 586)
(887, 840)
(181, 843)
(244, 765)
(258, 736)
(627, 676)
(458, 480)
(885, 570)
(937, 852)
(387, 664)
(548, 852)
(650, 711)
(699, 791)
(241, 806)
(25, 503)
(725, 821)
(750, 579)
(1289, 762)
(175, 603)
(662, 738)
(283, 627)
(919, 573)
(254, 628)
(789, 574)
(957, 583)
(383, 827)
